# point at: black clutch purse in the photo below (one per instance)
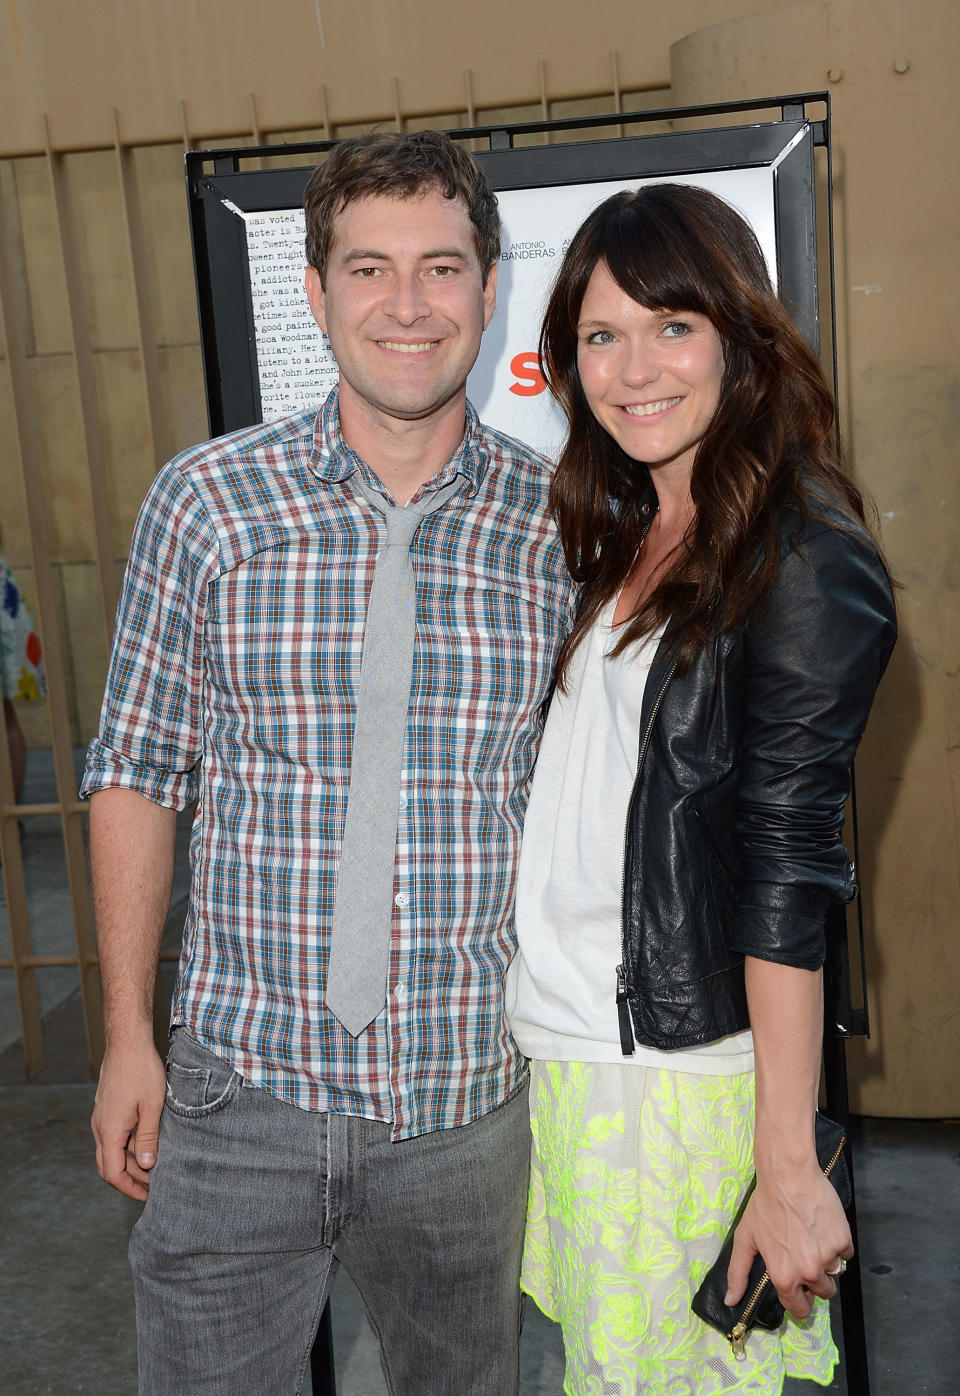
(760, 1306)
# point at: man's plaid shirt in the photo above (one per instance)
(234, 680)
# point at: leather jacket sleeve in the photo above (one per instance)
(813, 659)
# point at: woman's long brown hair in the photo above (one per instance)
(771, 444)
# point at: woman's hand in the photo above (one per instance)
(797, 1223)
(794, 1218)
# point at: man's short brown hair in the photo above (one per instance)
(399, 165)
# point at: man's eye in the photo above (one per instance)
(441, 272)
(368, 273)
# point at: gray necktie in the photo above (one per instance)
(363, 905)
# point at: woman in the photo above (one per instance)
(682, 842)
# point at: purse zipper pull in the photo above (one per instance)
(738, 1333)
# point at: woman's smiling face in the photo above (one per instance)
(652, 378)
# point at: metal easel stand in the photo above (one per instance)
(842, 1020)
(322, 1374)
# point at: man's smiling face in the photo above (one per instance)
(404, 304)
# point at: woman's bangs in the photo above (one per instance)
(650, 262)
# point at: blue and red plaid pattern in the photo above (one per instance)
(234, 678)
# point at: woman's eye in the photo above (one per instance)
(600, 337)
(676, 329)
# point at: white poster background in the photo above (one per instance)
(297, 369)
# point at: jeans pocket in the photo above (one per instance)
(198, 1082)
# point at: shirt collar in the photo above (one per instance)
(331, 459)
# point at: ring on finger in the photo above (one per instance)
(841, 1268)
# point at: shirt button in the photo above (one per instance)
(401, 899)
(400, 993)
(403, 802)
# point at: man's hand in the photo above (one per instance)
(126, 1117)
(132, 847)
(799, 1227)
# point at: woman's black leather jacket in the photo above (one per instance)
(733, 841)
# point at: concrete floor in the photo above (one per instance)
(66, 1309)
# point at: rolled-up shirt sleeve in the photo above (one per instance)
(150, 735)
(814, 659)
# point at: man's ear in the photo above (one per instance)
(490, 294)
(316, 297)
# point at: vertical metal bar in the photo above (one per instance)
(617, 94)
(255, 164)
(146, 330)
(13, 322)
(851, 1285)
(255, 120)
(395, 93)
(544, 99)
(322, 1373)
(86, 384)
(71, 820)
(185, 126)
(475, 144)
(324, 111)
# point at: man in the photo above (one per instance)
(342, 1086)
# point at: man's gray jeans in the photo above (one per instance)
(253, 1205)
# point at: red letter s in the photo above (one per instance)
(527, 366)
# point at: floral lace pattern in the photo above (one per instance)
(635, 1177)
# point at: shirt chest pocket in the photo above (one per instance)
(486, 654)
(284, 627)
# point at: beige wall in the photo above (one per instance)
(113, 372)
(898, 213)
(77, 60)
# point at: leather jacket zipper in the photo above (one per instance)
(627, 1041)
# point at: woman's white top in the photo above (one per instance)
(561, 987)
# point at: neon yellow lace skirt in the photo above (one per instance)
(636, 1175)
